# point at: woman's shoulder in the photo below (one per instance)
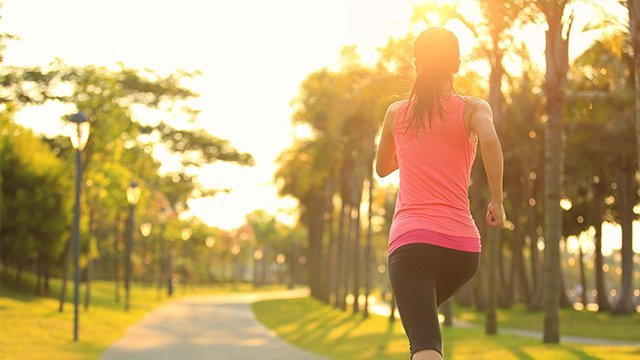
(473, 101)
(394, 109)
(395, 106)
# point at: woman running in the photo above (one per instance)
(434, 244)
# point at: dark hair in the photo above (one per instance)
(437, 57)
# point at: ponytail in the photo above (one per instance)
(436, 55)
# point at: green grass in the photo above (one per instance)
(32, 328)
(572, 322)
(321, 329)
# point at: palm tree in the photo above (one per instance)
(557, 44)
(634, 29)
(610, 93)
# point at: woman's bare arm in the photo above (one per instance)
(481, 123)
(386, 161)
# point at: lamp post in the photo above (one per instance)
(186, 235)
(210, 241)
(133, 195)
(79, 134)
(145, 230)
(160, 256)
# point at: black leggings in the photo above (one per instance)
(423, 276)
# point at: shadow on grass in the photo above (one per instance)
(319, 328)
(582, 355)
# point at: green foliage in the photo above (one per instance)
(119, 150)
(600, 126)
(36, 194)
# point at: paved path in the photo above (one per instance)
(384, 310)
(207, 327)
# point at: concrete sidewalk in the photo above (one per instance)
(207, 327)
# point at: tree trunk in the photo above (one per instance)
(603, 301)
(518, 284)
(392, 316)
(162, 259)
(583, 279)
(19, 274)
(627, 199)
(356, 258)
(479, 289)
(337, 279)
(634, 27)
(367, 249)
(535, 300)
(479, 286)
(293, 269)
(346, 255)
(556, 53)
(523, 288)
(491, 323)
(553, 227)
(264, 263)
(464, 296)
(256, 265)
(38, 275)
(505, 294)
(332, 254)
(65, 274)
(564, 299)
(496, 98)
(512, 286)
(118, 236)
(342, 255)
(328, 250)
(87, 297)
(316, 230)
(47, 275)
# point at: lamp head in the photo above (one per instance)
(79, 117)
(133, 193)
(78, 130)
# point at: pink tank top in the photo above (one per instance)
(432, 205)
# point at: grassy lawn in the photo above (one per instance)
(318, 328)
(572, 322)
(32, 328)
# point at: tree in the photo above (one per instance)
(35, 201)
(556, 53)
(634, 30)
(117, 152)
(599, 118)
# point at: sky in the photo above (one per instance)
(252, 55)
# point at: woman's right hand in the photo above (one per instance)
(495, 214)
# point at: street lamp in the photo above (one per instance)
(185, 233)
(159, 269)
(79, 134)
(145, 230)
(210, 241)
(133, 195)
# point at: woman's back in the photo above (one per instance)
(435, 167)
